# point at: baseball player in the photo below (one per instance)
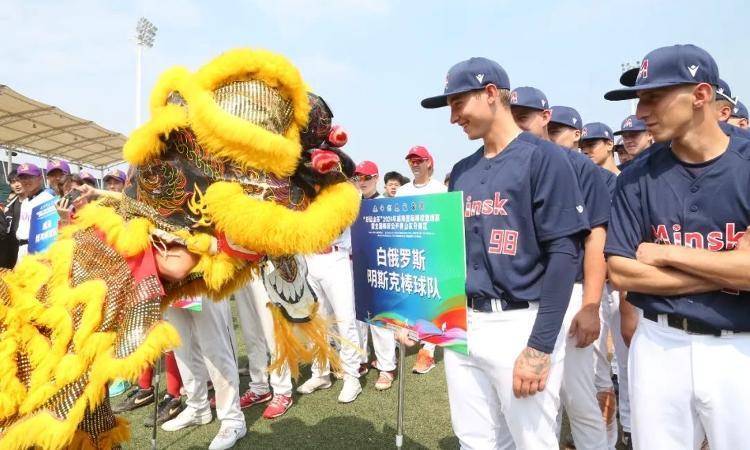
(676, 244)
(564, 127)
(725, 103)
(739, 117)
(422, 166)
(330, 276)
(524, 218)
(531, 111)
(597, 144)
(256, 324)
(635, 136)
(208, 343)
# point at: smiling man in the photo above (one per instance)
(675, 244)
(518, 259)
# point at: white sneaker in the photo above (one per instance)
(227, 437)
(189, 417)
(351, 389)
(313, 384)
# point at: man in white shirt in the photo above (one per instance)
(330, 276)
(31, 180)
(422, 166)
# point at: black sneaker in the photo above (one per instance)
(626, 441)
(168, 409)
(135, 399)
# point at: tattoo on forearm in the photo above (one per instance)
(536, 361)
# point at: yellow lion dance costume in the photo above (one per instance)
(226, 168)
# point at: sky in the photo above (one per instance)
(373, 61)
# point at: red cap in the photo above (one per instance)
(366, 168)
(419, 152)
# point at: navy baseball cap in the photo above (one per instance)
(628, 77)
(631, 123)
(565, 115)
(469, 75)
(740, 110)
(529, 97)
(670, 66)
(724, 93)
(596, 130)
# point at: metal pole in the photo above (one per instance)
(401, 383)
(138, 53)
(157, 371)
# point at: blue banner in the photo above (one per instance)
(44, 223)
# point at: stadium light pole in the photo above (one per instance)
(145, 32)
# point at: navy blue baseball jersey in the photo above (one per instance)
(610, 180)
(595, 194)
(660, 199)
(513, 203)
(731, 130)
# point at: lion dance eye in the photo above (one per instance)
(257, 103)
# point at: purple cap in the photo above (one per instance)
(58, 165)
(115, 173)
(29, 169)
(86, 176)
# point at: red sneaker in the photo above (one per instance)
(250, 398)
(279, 405)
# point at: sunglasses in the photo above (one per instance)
(417, 161)
(363, 177)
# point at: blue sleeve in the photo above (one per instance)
(626, 220)
(610, 180)
(557, 286)
(557, 200)
(596, 195)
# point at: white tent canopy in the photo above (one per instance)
(32, 127)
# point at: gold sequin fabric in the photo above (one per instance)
(126, 310)
(169, 190)
(256, 102)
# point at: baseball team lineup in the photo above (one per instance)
(660, 250)
(603, 288)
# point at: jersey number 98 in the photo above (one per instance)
(503, 242)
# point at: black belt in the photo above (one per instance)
(483, 304)
(23, 242)
(684, 324)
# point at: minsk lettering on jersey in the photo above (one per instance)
(714, 241)
(512, 205)
(487, 207)
(659, 200)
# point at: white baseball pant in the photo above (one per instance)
(684, 386)
(383, 343)
(256, 323)
(484, 412)
(610, 322)
(330, 275)
(578, 393)
(208, 343)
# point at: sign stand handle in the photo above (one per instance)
(401, 383)
(157, 370)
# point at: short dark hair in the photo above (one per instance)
(12, 176)
(393, 175)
